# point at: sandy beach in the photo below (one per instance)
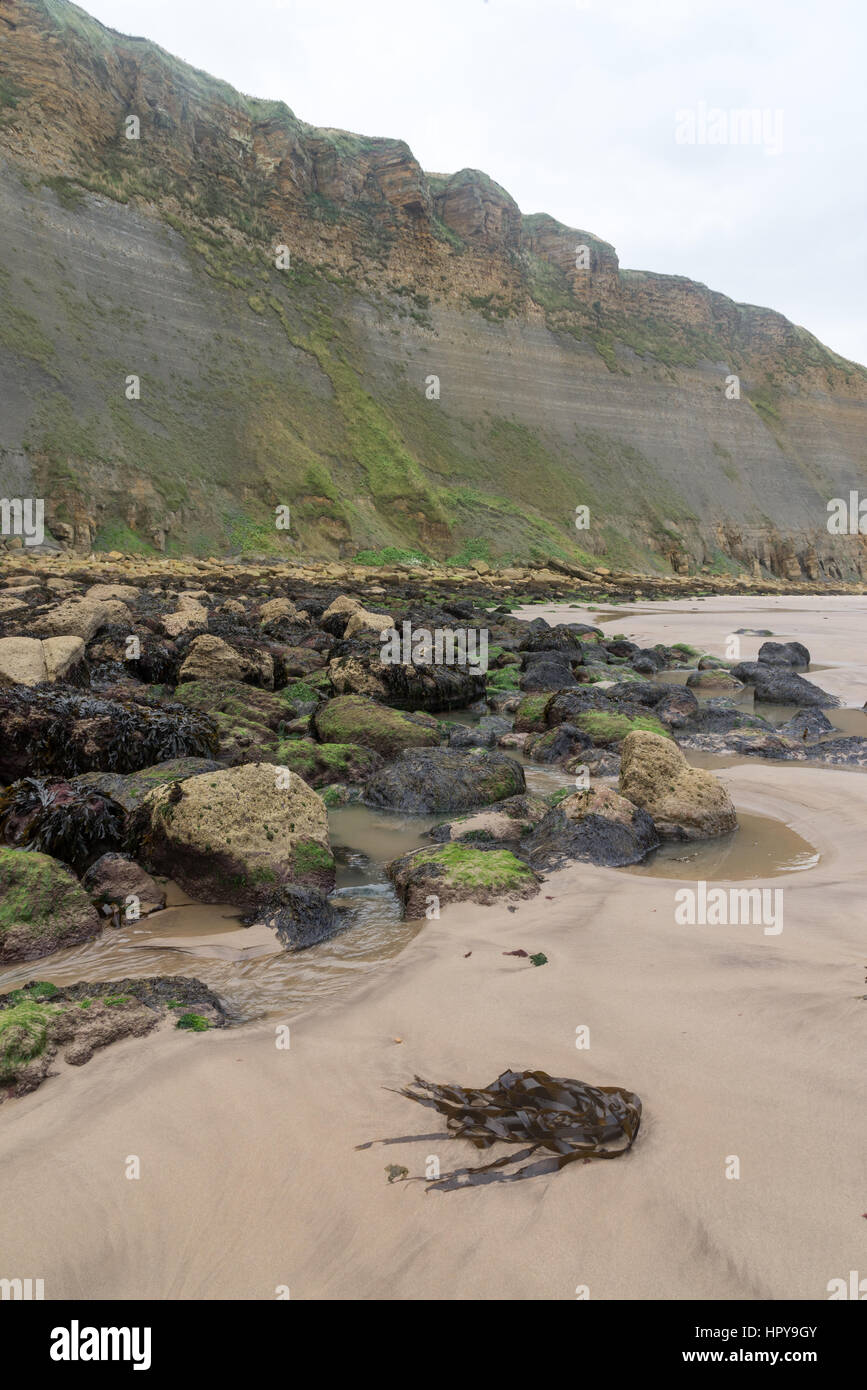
(739, 1043)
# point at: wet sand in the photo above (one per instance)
(739, 1044)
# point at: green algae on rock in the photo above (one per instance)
(42, 906)
(460, 873)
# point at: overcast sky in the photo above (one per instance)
(612, 115)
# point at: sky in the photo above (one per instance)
(614, 116)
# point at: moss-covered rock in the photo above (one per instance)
(608, 729)
(530, 714)
(355, 719)
(323, 763)
(459, 873)
(42, 906)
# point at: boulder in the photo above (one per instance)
(745, 743)
(130, 790)
(499, 825)
(426, 781)
(806, 726)
(596, 826)
(718, 681)
(556, 744)
(321, 764)
(360, 620)
(548, 673)
(778, 685)
(686, 803)
(80, 617)
(210, 658)
(337, 614)
(43, 907)
(115, 878)
(458, 873)
(406, 687)
(30, 661)
(354, 719)
(791, 654)
(237, 835)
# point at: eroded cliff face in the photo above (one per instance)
(563, 380)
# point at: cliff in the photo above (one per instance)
(561, 384)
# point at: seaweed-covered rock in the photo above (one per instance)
(686, 803)
(756, 743)
(791, 654)
(42, 906)
(596, 826)
(779, 685)
(62, 732)
(236, 835)
(530, 716)
(485, 734)
(323, 763)
(301, 917)
(40, 1019)
(72, 823)
(556, 744)
(549, 673)
(130, 790)
(116, 878)
(354, 719)
(807, 726)
(840, 752)
(425, 781)
(406, 687)
(458, 873)
(500, 825)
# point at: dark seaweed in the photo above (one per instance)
(569, 1118)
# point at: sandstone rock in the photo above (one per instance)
(42, 906)
(686, 803)
(714, 680)
(114, 878)
(362, 621)
(127, 593)
(22, 661)
(210, 658)
(80, 617)
(62, 655)
(237, 835)
(501, 824)
(191, 614)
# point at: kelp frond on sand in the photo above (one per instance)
(566, 1117)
